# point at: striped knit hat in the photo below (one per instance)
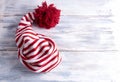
(35, 51)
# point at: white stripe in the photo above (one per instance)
(39, 69)
(59, 60)
(35, 45)
(29, 30)
(25, 22)
(34, 67)
(20, 26)
(21, 49)
(41, 36)
(47, 66)
(28, 17)
(49, 52)
(35, 59)
(22, 32)
(48, 59)
(29, 42)
(28, 27)
(24, 18)
(32, 15)
(27, 35)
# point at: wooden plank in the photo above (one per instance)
(85, 32)
(75, 67)
(84, 38)
(85, 27)
(68, 7)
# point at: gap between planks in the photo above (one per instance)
(66, 50)
(6, 15)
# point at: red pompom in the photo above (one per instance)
(47, 16)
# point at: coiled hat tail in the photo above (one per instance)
(36, 51)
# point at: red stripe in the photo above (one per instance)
(44, 54)
(26, 28)
(32, 33)
(50, 54)
(22, 24)
(19, 35)
(30, 44)
(26, 41)
(47, 69)
(41, 66)
(33, 48)
(34, 64)
(37, 53)
(30, 37)
(41, 55)
(26, 64)
(21, 42)
(23, 38)
(20, 55)
(54, 65)
(26, 18)
(30, 16)
(45, 57)
(41, 34)
(22, 19)
(50, 66)
(20, 29)
(53, 44)
(48, 61)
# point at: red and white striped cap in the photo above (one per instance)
(35, 51)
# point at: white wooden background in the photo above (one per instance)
(84, 37)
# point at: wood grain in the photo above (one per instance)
(68, 7)
(84, 38)
(75, 67)
(86, 32)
